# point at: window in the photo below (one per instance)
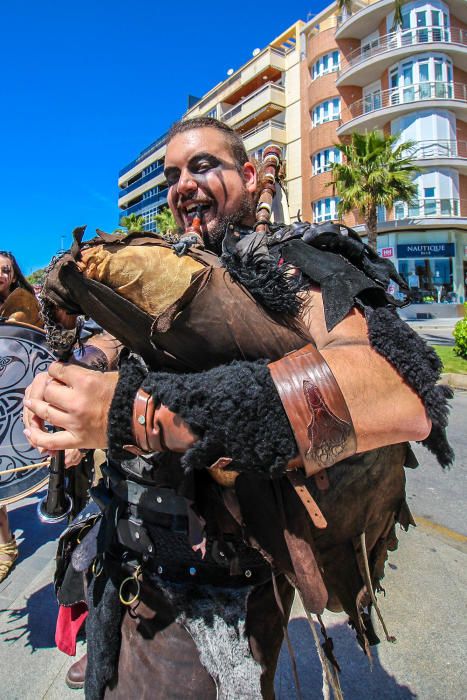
(425, 78)
(325, 209)
(322, 160)
(327, 63)
(212, 113)
(326, 111)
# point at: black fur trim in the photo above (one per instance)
(236, 411)
(421, 367)
(119, 431)
(269, 284)
(103, 636)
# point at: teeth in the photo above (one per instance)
(191, 207)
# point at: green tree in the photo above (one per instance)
(397, 23)
(36, 277)
(374, 172)
(133, 222)
(344, 5)
(165, 222)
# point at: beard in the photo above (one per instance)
(245, 213)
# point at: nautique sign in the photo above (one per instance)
(426, 250)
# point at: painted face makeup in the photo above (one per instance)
(6, 276)
(203, 175)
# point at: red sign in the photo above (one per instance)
(387, 252)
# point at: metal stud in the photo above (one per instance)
(136, 535)
(160, 570)
(192, 571)
(150, 548)
(159, 499)
(248, 573)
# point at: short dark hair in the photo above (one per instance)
(20, 280)
(234, 140)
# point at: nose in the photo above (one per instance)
(186, 183)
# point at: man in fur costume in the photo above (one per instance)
(233, 484)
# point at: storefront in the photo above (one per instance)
(428, 269)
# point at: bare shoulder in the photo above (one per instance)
(352, 330)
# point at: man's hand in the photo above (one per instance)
(75, 399)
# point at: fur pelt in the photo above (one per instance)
(119, 431)
(215, 619)
(236, 411)
(420, 366)
(272, 286)
(103, 636)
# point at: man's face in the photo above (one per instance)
(201, 170)
(6, 276)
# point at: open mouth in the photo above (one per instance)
(196, 207)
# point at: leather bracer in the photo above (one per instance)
(315, 407)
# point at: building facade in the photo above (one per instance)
(359, 72)
(260, 100)
(142, 187)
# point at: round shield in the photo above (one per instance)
(23, 354)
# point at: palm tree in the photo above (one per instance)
(165, 222)
(398, 14)
(375, 173)
(345, 5)
(133, 222)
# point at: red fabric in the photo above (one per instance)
(69, 623)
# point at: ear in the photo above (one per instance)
(250, 176)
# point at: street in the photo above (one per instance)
(424, 607)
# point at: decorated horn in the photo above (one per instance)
(271, 165)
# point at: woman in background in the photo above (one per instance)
(17, 303)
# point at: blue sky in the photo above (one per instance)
(87, 85)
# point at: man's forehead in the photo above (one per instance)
(187, 144)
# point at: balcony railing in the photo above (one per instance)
(236, 77)
(239, 107)
(134, 185)
(152, 148)
(417, 92)
(271, 123)
(425, 150)
(405, 37)
(160, 198)
(429, 208)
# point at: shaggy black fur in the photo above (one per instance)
(236, 411)
(266, 282)
(420, 366)
(132, 373)
(103, 636)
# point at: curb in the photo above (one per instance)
(456, 381)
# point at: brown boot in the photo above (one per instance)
(8, 556)
(76, 673)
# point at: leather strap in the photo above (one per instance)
(297, 480)
(316, 409)
(157, 429)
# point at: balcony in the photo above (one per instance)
(267, 101)
(368, 14)
(156, 199)
(266, 132)
(270, 62)
(142, 181)
(422, 214)
(374, 110)
(441, 153)
(152, 148)
(363, 66)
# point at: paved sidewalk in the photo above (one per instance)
(426, 586)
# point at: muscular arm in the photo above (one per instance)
(384, 409)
